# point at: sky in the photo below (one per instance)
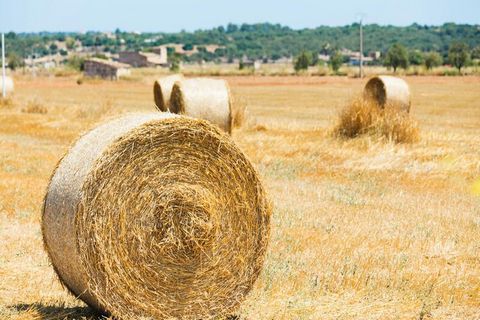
(190, 15)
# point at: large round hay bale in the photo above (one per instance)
(388, 90)
(162, 89)
(8, 85)
(203, 98)
(157, 216)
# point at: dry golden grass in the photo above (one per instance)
(365, 117)
(362, 229)
(6, 102)
(239, 112)
(35, 107)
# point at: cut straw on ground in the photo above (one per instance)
(366, 117)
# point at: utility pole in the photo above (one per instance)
(361, 49)
(4, 88)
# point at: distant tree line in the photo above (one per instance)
(263, 41)
(459, 55)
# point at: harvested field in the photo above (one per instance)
(361, 229)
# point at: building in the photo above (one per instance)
(144, 59)
(324, 57)
(375, 55)
(107, 69)
(250, 64)
(162, 51)
(355, 60)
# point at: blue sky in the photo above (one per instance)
(175, 15)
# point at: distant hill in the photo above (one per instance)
(257, 41)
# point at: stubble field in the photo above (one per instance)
(362, 229)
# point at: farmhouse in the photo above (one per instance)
(108, 69)
(143, 59)
(161, 51)
(251, 64)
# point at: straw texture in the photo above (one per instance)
(157, 216)
(203, 98)
(162, 89)
(9, 87)
(388, 90)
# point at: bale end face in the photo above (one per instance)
(388, 90)
(204, 98)
(162, 89)
(158, 97)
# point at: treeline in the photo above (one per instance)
(258, 41)
(398, 56)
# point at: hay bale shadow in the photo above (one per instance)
(51, 312)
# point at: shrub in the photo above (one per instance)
(303, 61)
(336, 61)
(76, 63)
(14, 61)
(432, 59)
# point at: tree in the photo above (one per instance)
(14, 61)
(314, 60)
(70, 43)
(415, 57)
(459, 55)
(303, 61)
(174, 60)
(476, 52)
(432, 59)
(188, 47)
(76, 62)
(53, 48)
(336, 61)
(397, 56)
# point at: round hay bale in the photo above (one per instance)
(203, 98)
(388, 90)
(162, 89)
(157, 216)
(8, 85)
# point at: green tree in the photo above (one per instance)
(397, 56)
(53, 48)
(432, 59)
(76, 62)
(303, 61)
(14, 61)
(336, 61)
(188, 47)
(314, 60)
(476, 52)
(415, 57)
(459, 55)
(174, 60)
(70, 43)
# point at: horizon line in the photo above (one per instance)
(249, 24)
